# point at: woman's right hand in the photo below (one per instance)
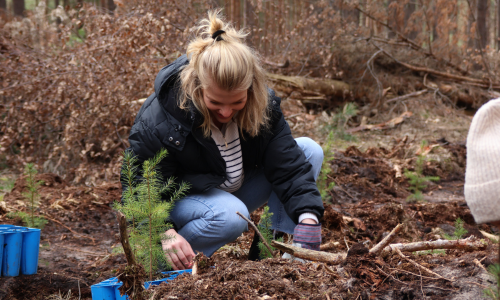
(178, 251)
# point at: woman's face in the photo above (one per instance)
(222, 104)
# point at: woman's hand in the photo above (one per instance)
(178, 251)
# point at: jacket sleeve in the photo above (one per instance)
(145, 144)
(286, 167)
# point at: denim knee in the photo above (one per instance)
(313, 152)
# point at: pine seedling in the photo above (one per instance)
(417, 180)
(492, 293)
(145, 210)
(460, 231)
(265, 229)
(323, 185)
(32, 200)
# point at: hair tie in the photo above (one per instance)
(216, 36)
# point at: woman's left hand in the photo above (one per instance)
(308, 234)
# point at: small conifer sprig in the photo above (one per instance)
(145, 209)
(32, 199)
(265, 229)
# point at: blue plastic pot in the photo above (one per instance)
(108, 289)
(13, 241)
(30, 250)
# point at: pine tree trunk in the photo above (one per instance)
(498, 25)
(18, 7)
(482, 11)
(3, 5)
(111, 6)
(56, 3)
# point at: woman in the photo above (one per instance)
(227, 137)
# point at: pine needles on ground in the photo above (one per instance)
(32, 198)
(146, 210)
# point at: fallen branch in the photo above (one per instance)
(468, 244)
(492, 237)
(328, 87)
(385, 125)
(256, 231)
(434, 72)
(310, 254)
(385, 241)
(71, 230)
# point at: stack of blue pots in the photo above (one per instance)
(19, 247)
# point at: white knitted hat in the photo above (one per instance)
(482, 174)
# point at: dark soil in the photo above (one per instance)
(77, 249)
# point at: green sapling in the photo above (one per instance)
(32, 200)
(146, 210)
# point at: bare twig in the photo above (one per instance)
(479, 265)
(420, 266)
(385, 241)
(256, 231)
(83, 251)
(129, 254)
(414, 94)
(71, 230)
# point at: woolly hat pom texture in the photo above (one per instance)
(482, 174)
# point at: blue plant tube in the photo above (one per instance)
(2, 243)
(30, 250)
(13, 241)
(105, 290)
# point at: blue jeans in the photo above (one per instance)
(208, 220)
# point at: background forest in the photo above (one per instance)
(388, 88)
(71, 72)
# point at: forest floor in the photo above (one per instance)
(368, 200)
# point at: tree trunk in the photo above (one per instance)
(56, 3)
(3, 5)
(18, 7)
(482, 11)
(111, 6)
(498, 25)
(410, 32)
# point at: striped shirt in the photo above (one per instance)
(227, 140)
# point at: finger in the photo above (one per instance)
(183, 259)
(176, 264)
(188, 252)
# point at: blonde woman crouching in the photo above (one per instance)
(226, 136)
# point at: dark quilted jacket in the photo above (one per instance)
(192, 158)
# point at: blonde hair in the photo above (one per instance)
(231, 65)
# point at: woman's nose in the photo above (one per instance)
(225, 112)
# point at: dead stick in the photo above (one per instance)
(420, 266)
(71, 230)
(469, 244)
(83, 251)
(385, 241)
(310, 254)
(256, 231)
(414, 94)
(122, 222)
